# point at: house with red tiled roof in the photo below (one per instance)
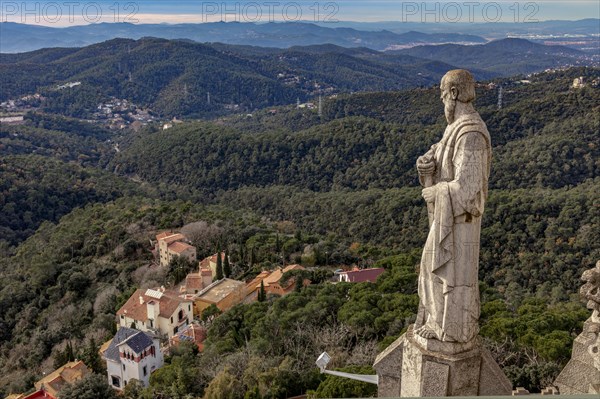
(272, 281)
(357, 275)
(39, 394)
(170, 245)
(210, 263)
(196, 282)
(53, 383)
(156, 310)
(253, 287)
(194, 333)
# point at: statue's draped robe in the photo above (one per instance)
(448, 282)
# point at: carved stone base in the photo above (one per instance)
(413, 366)
(582, 373)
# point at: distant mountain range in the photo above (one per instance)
(20, 37)
(584, 33)
(588, 26)
(505, 57)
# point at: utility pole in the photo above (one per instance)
(320, 106)
(500, 97)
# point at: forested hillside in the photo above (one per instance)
(51, 166)
(175, 77)
(184, 78)
(288, 185)
(545, 135)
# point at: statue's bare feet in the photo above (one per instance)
(426, 332)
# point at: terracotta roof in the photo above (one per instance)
(193, 281)
(216, 292)
(206, 272)
(40, 394)
(67, 374)
(163, 235)
(179, 247)
(359, 276)
(277, 274)
(192, 333)
(255, 283)
(172, 238)
(205, 263)
(168, 303)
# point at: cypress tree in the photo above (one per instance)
(262, 295)
(226, 266)
(219, 266)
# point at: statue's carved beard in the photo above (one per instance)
(449, 108)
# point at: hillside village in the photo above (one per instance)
(155, 320)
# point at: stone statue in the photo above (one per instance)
(455, 175)
(582, 373)
(442, 354)
(590, 291)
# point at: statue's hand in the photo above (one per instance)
(425, 165)
(429, 194)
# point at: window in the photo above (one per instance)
(122, 317)
(180, 315)
(116, 381)
(171, 319)
(151, 323)
(123, 366)
(175, 331)
(190, 306)
(145, 371)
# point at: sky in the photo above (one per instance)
(76, 12)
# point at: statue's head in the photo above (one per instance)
(456, 85)
(590, 291)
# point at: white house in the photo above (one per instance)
(132, 354)
(156, 310)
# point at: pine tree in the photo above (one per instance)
(299, 283)
(242, 247)
(91, 357)
(219, 266)
(69, 353)
(252, 256)
(226, 266)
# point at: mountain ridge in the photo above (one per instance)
(20, 37)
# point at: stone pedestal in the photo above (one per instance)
(582, 373)
(413, 366)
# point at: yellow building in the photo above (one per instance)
(210, 263)
(224, 293)
(170, 245)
